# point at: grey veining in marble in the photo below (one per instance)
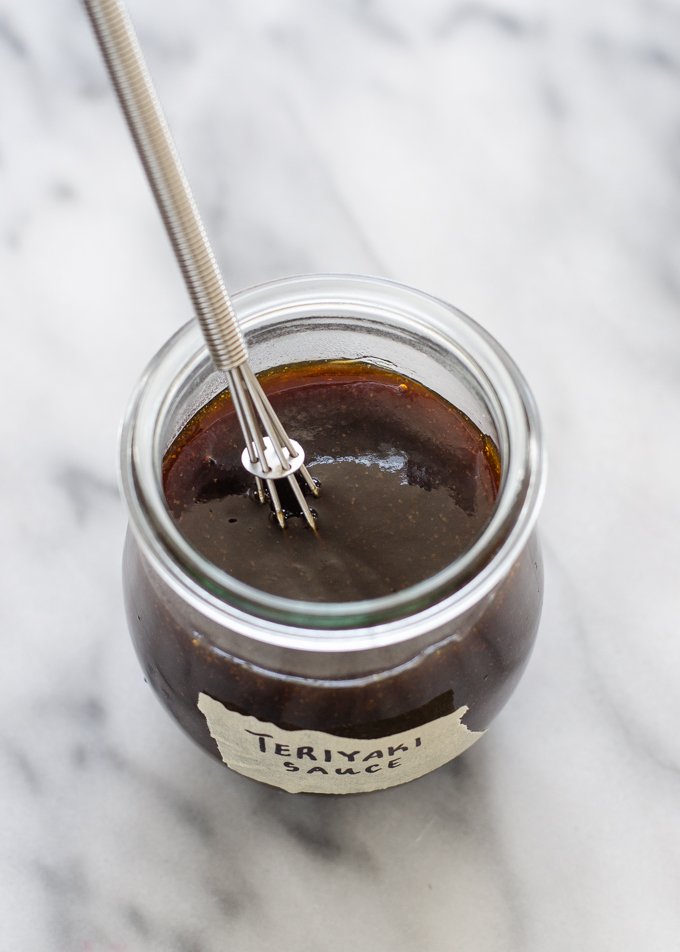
(518, 158)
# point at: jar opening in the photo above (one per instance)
(339, 317)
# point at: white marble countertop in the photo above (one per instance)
(518, 158)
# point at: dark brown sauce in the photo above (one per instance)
(475, 660)
(408, 483)
(476, 663)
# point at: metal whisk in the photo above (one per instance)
(269, 454)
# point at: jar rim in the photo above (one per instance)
(335, 625)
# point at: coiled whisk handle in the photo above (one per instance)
(132, 82)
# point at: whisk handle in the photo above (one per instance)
(137, 96)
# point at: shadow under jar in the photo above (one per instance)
(346, 696)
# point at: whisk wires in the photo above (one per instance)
(274, 455)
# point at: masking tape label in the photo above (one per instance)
(305, 761)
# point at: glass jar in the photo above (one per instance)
(349, 696)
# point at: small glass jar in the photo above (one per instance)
(349, 696)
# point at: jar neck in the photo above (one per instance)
(279, 320)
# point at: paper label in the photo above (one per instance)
(304, 761)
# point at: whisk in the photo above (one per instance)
(269, 454)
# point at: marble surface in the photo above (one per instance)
(518, 158)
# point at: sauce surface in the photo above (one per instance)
(408, 482)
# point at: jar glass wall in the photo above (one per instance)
(358, 670)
